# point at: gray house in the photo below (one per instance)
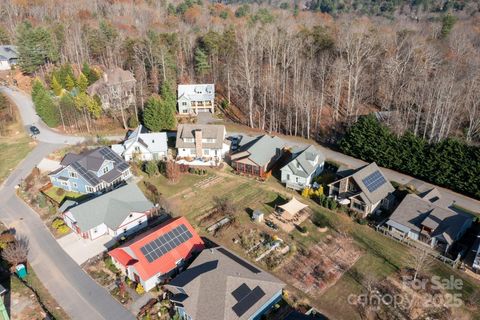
(420, 219)
(116, 213)
(363, 190)
(8, 57)
(219, 285)
(92, 171)
(304, 165)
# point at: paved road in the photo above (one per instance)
(79, 295)
(30, 117)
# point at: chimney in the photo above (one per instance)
(198, 143)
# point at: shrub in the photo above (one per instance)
(110, 266)
(42, 201)
(362, 221)
(57, 223)
(60, 192)
(139, 289)
(302, 229)
(151, 168)
(63, 229)
(132, 122)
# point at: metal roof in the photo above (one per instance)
(111, 208)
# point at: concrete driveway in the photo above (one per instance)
(80, 250)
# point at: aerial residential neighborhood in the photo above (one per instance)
(202, 160)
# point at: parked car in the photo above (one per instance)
(34, 130)
(235, 141)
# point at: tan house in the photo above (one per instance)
(116, 89)
(365, 190)
(201, 144)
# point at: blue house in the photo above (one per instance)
(93, 171)
(220, 285)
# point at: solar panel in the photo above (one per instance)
(165, 243)
(374, 181)
(241, 292)
(247, 302)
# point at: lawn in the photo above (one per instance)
(14, 143)
(14, 149)
(168, 189)
(382, 256)
(58, 198)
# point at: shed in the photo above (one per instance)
(257, 216)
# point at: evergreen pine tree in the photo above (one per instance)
(201, 62)
(56, 87)
(69, 83)
(82, 82)
(152, 116)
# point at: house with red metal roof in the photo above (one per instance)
(157, 255)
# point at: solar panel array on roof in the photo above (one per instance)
(109, 154)
(123, 166)
(84, 173)
(165, 243)
(248, 301)
(374, 181)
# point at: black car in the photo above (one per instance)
(34, 130)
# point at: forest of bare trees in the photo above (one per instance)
(296, 72)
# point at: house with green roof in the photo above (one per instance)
(257, 156)
(117, 213)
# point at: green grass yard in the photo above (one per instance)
(382, 256)
(14, 149)
(52, 193)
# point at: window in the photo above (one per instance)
(125, 230)
(209, 140)
(64, 183)
(184, 103)
(137, 149)
(296, 179)
(206, 152)
(288, 176)
(188, 140)
(131, 215)
(72, 174)
(89, 189)
(105, 170)
(74, 184)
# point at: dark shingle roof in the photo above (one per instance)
(379, 193)
(87, 164)
(216, 281)
(414, 212)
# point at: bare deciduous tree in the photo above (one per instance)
(16, 252)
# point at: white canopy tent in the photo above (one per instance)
(291, 208)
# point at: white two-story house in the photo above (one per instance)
(142, 145)
(201, 144)
(195, 98)
(304, 165)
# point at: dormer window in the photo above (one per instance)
(72, 174)
(188, 139)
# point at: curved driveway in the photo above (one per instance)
(79, 295)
